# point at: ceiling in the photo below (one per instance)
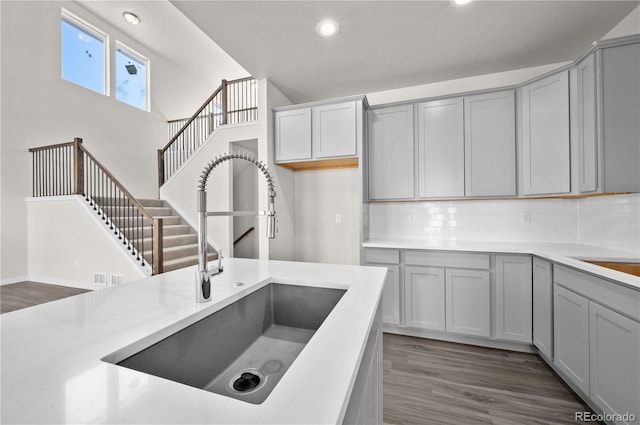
(381, 44)
(384, 45)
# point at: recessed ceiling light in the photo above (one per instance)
(460, 2)
(327, 28)
(132, 18)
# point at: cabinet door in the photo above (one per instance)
(390, 153)
(545, 136)
(614, 359)
(490, 144)
(334, 130)
(293, 135)
(543, 307)
(424, 297)
(391, 296)
(586, 116)
(513, 298)
(441, 148)
(571, 336)
(621, 109)
(468, 302)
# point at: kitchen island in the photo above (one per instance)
(52, 370)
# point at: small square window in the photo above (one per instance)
(132, 70)
(83, 54)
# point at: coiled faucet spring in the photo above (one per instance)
(203, 275)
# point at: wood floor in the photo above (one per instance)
(26, 294)
(436, 382)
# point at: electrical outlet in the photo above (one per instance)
(412, 218)
(525, 217)
(338, 218)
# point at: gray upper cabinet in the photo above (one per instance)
(490, 144)
(545, 136)
(390, 153)
(293, 134)
(441, 148)
(585, 73)
(319, 131)
(621, 118)
(334, 130)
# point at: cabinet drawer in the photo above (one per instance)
(447, 259)
(610, 294)
(384, 256)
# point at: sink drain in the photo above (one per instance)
(246, 381)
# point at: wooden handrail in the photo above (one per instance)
(244, 235)
(214, 112)
(128, 194)
(79, 155)
(192, 119)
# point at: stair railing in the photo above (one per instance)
(233, 102)
(244, 235)
(69, 169)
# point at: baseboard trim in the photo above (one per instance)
(461, 339)
(60, 282)
(11, 280)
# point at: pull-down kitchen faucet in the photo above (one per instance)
(203, 275)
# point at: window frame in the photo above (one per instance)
(133, 54)
(93, 31)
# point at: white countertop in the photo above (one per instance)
(52, 372)
(566, 254)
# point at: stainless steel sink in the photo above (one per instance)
(243, 350)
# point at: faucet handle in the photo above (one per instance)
(220, 259)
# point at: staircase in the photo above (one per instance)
(70, 169)
(180, 240)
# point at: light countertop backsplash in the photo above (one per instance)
(607, 221)
(610, 221)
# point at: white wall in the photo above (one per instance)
(628, 26)
(40, 108)
(181, 189)
(283, 247)
(319, 196)
(68, 243)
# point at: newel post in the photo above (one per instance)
(160, 167)
(157, 246)
(225, 108)
(78, 167)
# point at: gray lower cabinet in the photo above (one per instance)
(571, 336)
(389, 258)
(614, 362)
(543, 307)
(545, 136)
(440, 151)
(390, 153)
(424, 303)
(391, 296)
(468, 302)
(597, 341)
(513, 298)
